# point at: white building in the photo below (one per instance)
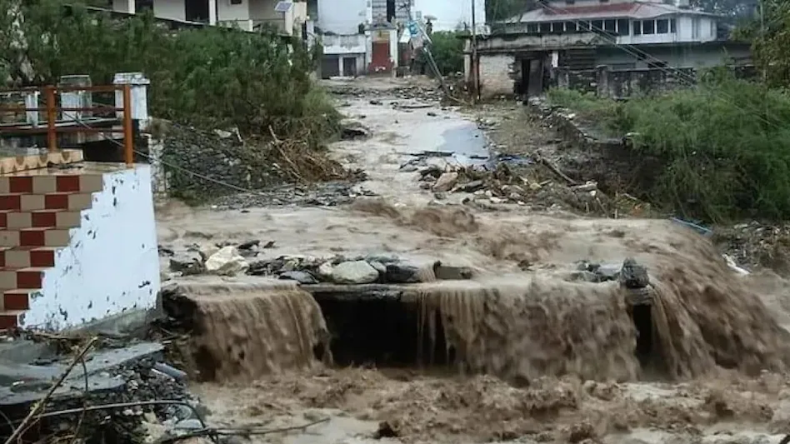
(362, 36)
(586, 34)
(286, 16)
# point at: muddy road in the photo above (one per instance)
(527, 261)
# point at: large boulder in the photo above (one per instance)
(354, 272)
(227, 262)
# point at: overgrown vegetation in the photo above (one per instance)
(448, 51)
(770, 37)
(210, 77)
(725, 145)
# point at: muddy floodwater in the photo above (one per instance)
(525, 352)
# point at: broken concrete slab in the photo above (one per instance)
(23, 383)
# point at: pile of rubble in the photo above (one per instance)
(248, 258)
(756, 245)
(503, 184)
(117, 392)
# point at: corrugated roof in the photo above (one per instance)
(634, 10)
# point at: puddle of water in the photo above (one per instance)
(467, 142)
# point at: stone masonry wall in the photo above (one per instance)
(495, 74)
(606, 82)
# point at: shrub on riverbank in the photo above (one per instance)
(725, 146)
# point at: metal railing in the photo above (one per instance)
(60, 119)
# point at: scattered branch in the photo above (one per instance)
(33, 416)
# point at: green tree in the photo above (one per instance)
(770, 37)
(448, 51)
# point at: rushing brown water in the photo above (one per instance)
(252, 329)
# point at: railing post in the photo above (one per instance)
(128, 134)
(52, 135)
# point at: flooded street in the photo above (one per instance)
(525, 262)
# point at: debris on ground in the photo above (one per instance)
(250, 258)
(756, 245)
(109, 392)
(325, 194)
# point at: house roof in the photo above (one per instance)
(633, 10)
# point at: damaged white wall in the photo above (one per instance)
(112, 263)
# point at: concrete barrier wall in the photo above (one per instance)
(111, 264)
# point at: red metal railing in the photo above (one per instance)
(52, 110)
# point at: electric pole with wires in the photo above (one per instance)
(475, 65)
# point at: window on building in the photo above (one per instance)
(584, 26)
(570, 27)
(532, 28)
(545, 28)
(597, 25)
(648, 27)
(391, 11)
(557, 27)
(713, 28)
(637, 27)
(662, 26)
(695, 24)
(623, 27)
(673, 26)
(610, 26)
(143, 5)
(196, 11)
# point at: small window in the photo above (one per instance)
(557, 27)
(648, 27)
(570, 26)
(637, 27)
(584, 26)
(235, 2)
(545, 28)
(673, 26)
(622, 27)
(610, 26)
(597, 25)
(712, 27)
(662, 26)
(532, 28)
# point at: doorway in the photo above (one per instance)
(350, 66)
(531, 84)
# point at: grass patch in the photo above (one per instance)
(725, 146)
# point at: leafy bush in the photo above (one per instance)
(210, 77)
(725, 145)
(448, 51)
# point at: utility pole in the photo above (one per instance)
(474, 64)
(762, 33)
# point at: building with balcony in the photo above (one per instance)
(287, 17)
(523, 53)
